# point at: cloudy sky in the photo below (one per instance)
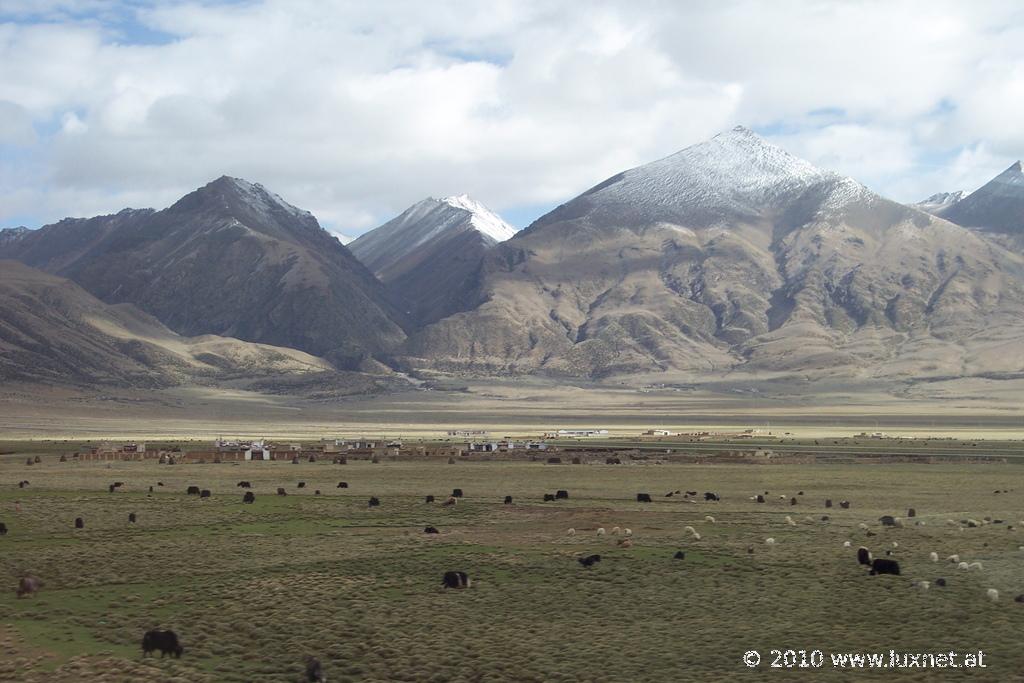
(354, 110)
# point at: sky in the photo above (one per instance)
(356, 110)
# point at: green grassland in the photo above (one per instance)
(251, 589)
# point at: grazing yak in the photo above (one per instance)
(165, 641)
(680, 555)
(342, 485)
(643, 498)
(883, 566)
(456, 493)
(431, 530)
(792, 501)
(590, 560)
(192, 491)
(302, 484)
(314, 672)
(3, 529)
(111, 488)
(244, 485)
(864, 556)
(508, 500)
(455, 580)
(760, 498)
(828, 502)
(708, 495)
(131, 517)
(249, 497)
(205, 493)
(845, 504)
(374, 502)
(887, 520)
(561, 494)
(28, 585)
(450, 501)
(429, 499)
(79, 523)
(549, 497)
(281, 491)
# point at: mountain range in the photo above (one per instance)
(729, 257)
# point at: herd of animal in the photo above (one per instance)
(168, 643)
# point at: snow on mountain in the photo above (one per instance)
(997, 206)
(735, 174)
(427, 221)
(940, 202)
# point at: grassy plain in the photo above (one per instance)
(252, 588)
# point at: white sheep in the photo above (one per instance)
(627, 532)
(862, 526)
(934, 557)
(615, 531)
(769, 541)
(950, 522)
(975, 565)
(789, 521)
(571, 532)
(689, 530)
(600, 531)
(696, 536)
(709, 519)
(964, 566)
(847, 544)
(953, 558)
(895, 544)
(992, 594)
(923, 585)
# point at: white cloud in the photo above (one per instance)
(355, 110)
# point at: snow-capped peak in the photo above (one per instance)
(735, 172)
(482, 218)
(424, 222)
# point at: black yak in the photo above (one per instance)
(887, 520)
(845, 504)
(680, 555)
(508, 500)
(79, 523)
(3, 529)
(165, 641)
(590, 560)
(561, 494)
(431, 530)
(711, 496)
(828, 502)
(374, 502)
(911, 512)
(302, 484)
(342, 484)
(281, 491)
(314, 672)
(792, 501)
(455, 580)
(249, 497)
(643, 498)
(548, 497)
(760, 498)
(131, 517)
(28, 585)
(192, 491)
(883, 566)
(429, 499)
(456, 493)
(205, 493)
(864, 555)
(245, 485)
(940, 582)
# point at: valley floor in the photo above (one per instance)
(967, 408)
(251, 589)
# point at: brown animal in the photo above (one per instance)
(452, 500)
